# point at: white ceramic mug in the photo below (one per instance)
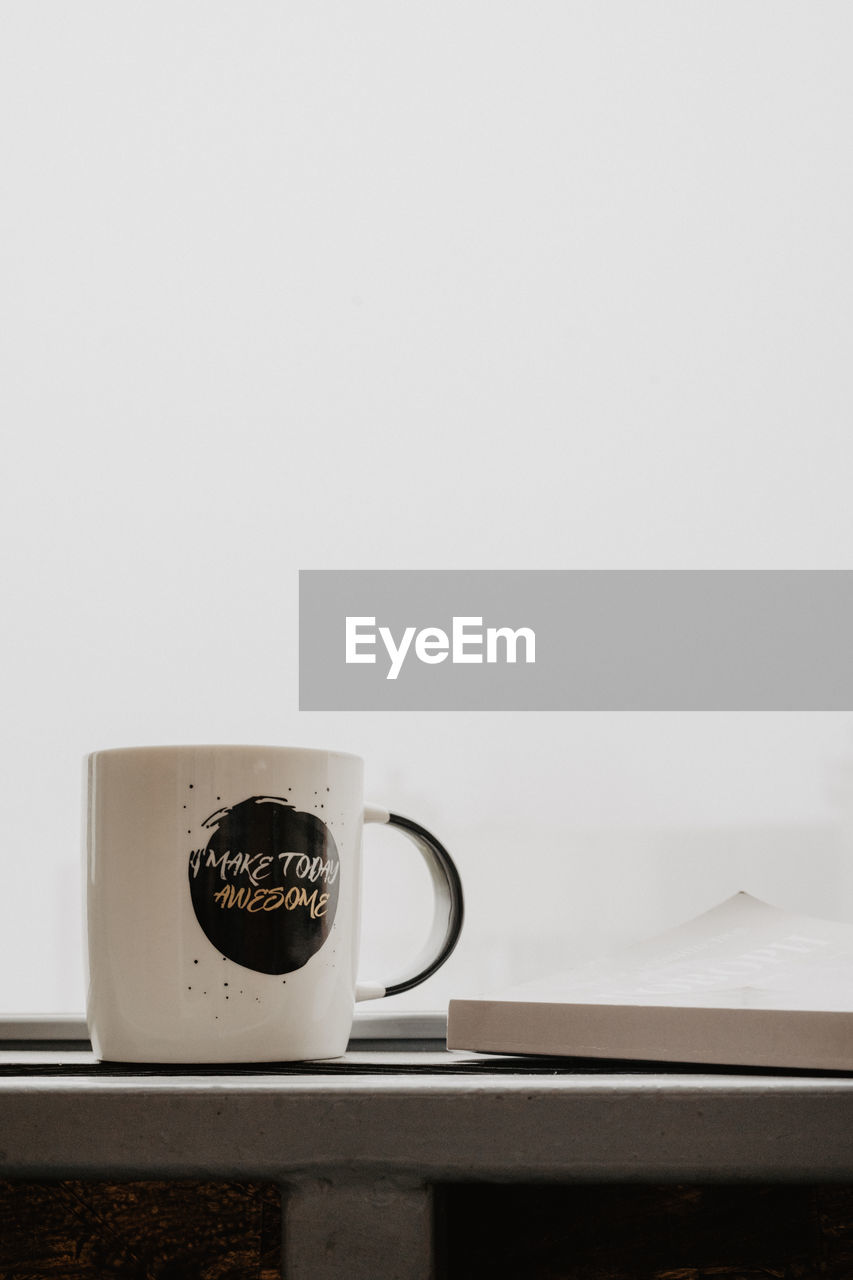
(223, 902)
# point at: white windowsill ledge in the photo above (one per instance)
(367, 1025)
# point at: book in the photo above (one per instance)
(743, 984)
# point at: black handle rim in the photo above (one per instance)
(436, 851)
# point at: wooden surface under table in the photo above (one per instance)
(404, 1161)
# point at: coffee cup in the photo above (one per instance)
(223, 902)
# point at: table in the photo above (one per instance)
(358, 1144)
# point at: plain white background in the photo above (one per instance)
(498, 285)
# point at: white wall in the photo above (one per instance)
(499, 285)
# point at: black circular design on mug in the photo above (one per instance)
(265, 886)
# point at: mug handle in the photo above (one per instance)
(449, 907)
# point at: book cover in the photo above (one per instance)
(745, 983)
